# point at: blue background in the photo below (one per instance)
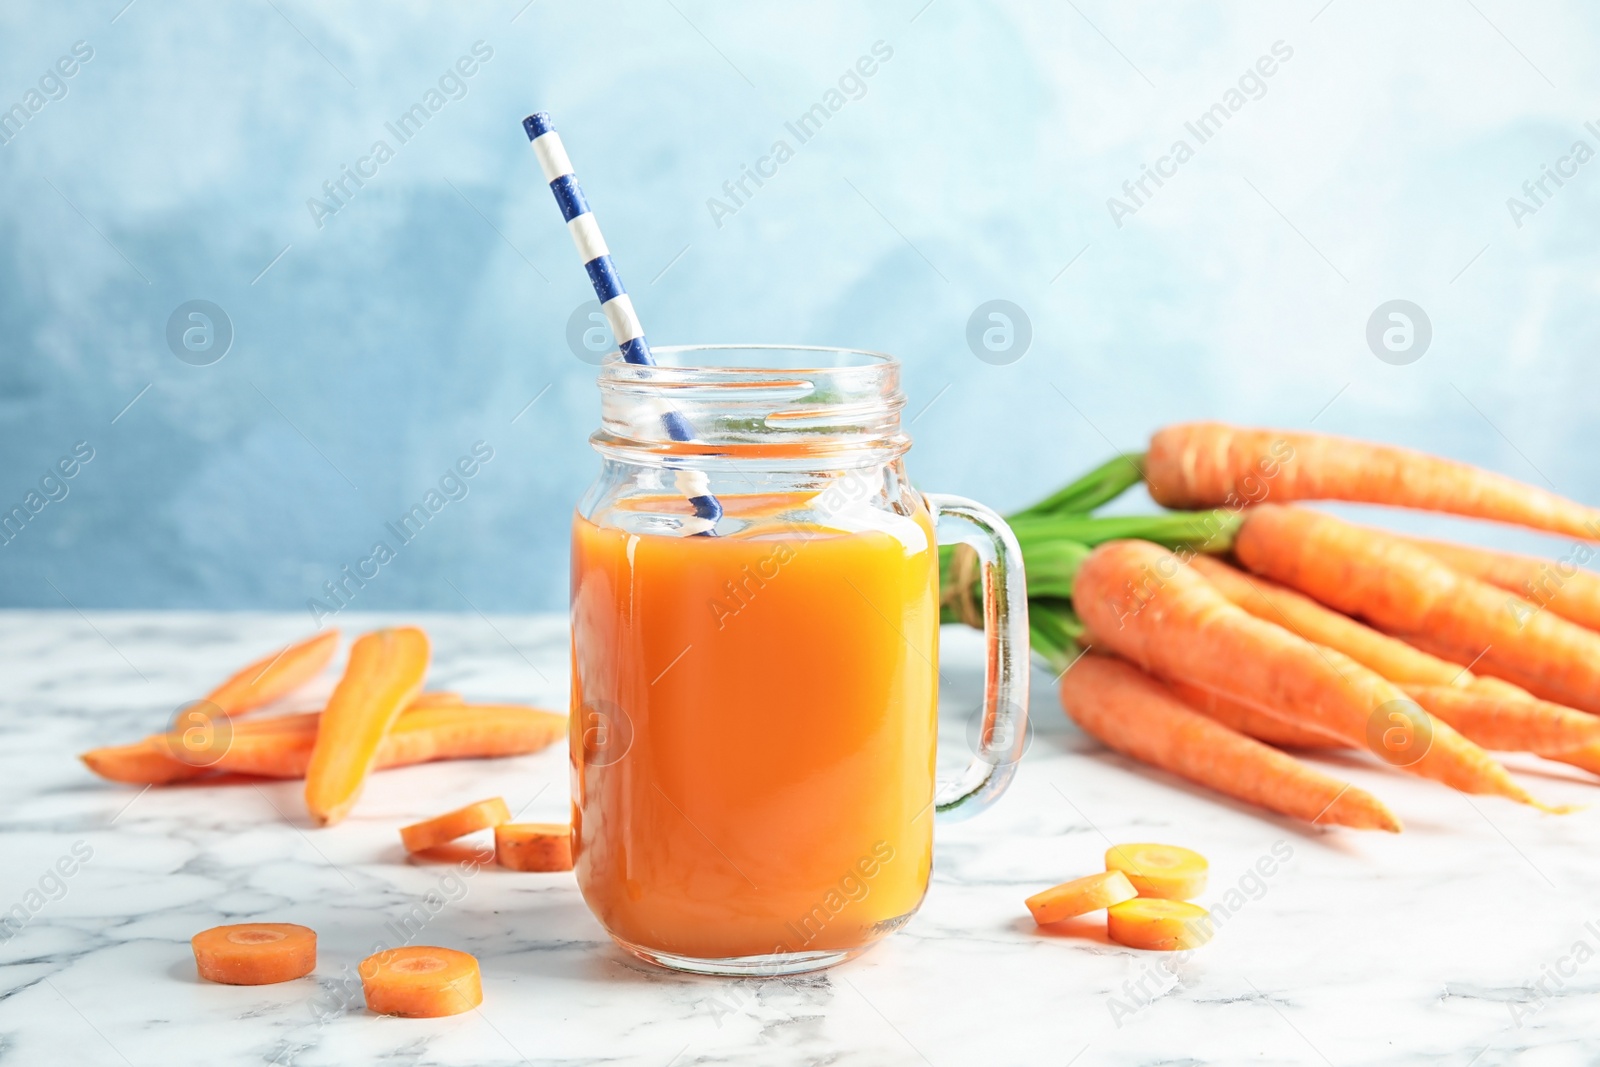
(976, 164)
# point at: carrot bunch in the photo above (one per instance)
(1206, 642)
(377, 717)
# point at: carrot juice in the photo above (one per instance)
(753, 728)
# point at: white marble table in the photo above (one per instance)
(1356, 949)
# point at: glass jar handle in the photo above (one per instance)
(1003, 733)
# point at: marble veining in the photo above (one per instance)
(1472, 939)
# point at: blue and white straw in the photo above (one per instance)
(614, 300)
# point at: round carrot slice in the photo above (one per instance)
(1165, 871)
(255, 953)
(533, 846)
(1080, 896)
(421, 982)
(1154, 923)
(454, 824)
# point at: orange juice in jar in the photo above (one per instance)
(754, 700)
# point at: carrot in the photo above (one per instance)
(1212, 464)
(1509, 724)
(1138, 716)
(1404, 590)
(454, 824)
(255, 953)
(280, 746)
(1391, 657)
(1281, 729)
(533, 846)
(1145, 604)
(1080, 896)
(146, 762)
(436, 698)
(1165, 871)
(385, 672)
(420, 982)
(1559, 585)
(276, 675)
(1162, 925)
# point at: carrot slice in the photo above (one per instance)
(385, 672)
(421, 982)
(533, 846)
(454, 824)
(1162, 925)
(1212, 464)
(1164, 871)
(1146, 604)
(276, 675)
(1080, 896)
(255, 953)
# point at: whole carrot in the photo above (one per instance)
(1212, 464)
(1509, 724)
(1136, 715)
(1391, 657)
(1404, 590)
(1281, 730)
(1145, 604)
(1560, 586)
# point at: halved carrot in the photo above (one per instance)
(255, 953)
(1144, 603)
(1404, 590)
(146, 762)
(385, 672)
(1137, 715)
(1080, 896)
(276, 675)
(1281, 730)
(454, 824)
(533, 846)
(280, 746)
(1391, 657)
(1165, 871)
(421, 982)
(1509, 724)
(1559, 585)
(1212, 464)
(1155, 923)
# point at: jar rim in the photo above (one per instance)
(844, 359)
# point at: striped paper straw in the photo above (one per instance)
(614, 299)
